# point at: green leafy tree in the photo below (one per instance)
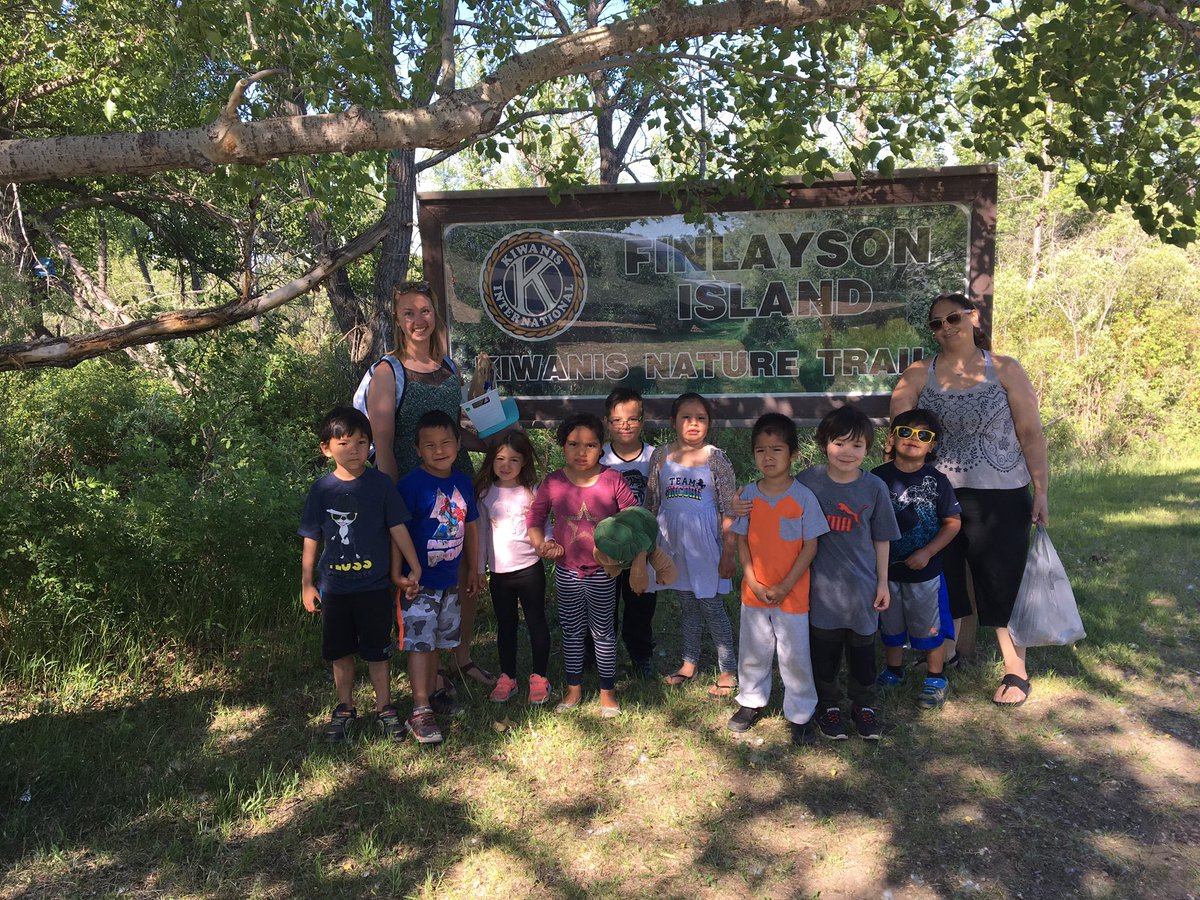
(304, 124)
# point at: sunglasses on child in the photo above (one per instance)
(924, 435)
(953, 319)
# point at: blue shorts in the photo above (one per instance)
(914, 615)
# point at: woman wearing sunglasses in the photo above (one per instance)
(992, 450)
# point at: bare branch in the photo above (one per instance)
(449, 71)
(45, 89)
(69, 351)
(439, 158)
(229, 113)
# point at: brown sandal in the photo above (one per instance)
(473, 670)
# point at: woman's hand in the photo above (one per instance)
(551, 550)
(1041, 510)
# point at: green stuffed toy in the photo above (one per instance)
(629, 540)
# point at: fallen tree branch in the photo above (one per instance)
(69, 351)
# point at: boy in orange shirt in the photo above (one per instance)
(777, 542)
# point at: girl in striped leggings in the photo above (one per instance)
(579, 495)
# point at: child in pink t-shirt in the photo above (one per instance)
(580, 494)
(505, 487)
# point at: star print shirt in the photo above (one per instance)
(576, 511)
(441, 509)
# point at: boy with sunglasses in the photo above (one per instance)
(928, 515)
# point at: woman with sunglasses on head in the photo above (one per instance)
(427, 380)
(992, 450)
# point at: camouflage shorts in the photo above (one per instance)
(432, 620)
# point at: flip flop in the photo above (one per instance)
(1014, 681)
(677, 678)
(716, 689)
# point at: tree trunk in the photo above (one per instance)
(397, 245)
(1039, 223)
(141, 259)
(102, 254)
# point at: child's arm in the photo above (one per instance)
(471, 546)
(724, 486)
(403, 542)
(727, 564)
(309, 595)
(777, 592)
(483, 532)
(535, 524)
(748, 576)
(883, 596)
(920, 559)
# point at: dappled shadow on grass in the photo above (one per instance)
(224, 789)
(227, 791)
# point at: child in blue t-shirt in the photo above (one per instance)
(352, 521)
(928, 515)
(442, 501)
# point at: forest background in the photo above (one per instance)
(150, 495)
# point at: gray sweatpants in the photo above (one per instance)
(763, 631)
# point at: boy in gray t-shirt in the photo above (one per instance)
(849, 586)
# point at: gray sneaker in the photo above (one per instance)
(743, 719)
(423, 726)
(933, 693)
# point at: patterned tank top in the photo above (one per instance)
(979, 446)
(425, 391)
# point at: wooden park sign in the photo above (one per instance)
(818, 296)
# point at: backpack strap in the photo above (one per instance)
(360, 394)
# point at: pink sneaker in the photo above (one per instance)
(504, 690)
(539, 690)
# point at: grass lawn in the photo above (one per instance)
(209, 779)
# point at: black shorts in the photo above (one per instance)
(993, 541)
(357, 623)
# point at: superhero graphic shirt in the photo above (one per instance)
(441, 509)
(843, 582)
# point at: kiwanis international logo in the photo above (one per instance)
(533, 285)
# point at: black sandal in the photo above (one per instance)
(675, 679)
(343, 716)
(391, 724)
(1015, 681)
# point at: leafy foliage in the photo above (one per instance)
(135, 510)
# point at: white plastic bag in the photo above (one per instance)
(1045, 614)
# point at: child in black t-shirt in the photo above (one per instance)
(351, 517)
(928, 515)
